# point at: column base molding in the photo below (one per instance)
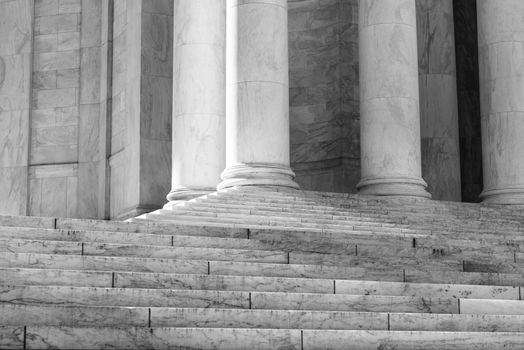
(258, 174)
(182, 193)
(393, 186)
(508, 195)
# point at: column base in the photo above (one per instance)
(258, 174)
(393, 186)
(510, 195)
(181, 193)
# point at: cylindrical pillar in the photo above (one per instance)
(438, 99)
(198, 97)
(501, 67)
(389, 99)
(257, 101)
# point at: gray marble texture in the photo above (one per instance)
(324, 115)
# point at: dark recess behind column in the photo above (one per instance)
(466, 46)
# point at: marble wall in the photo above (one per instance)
(16, 19)
(465, 17)
(438, 99)
(55, 114)
(85, 106)
(324, 110)
(140, 150)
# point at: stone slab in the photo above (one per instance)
(27, 221)
(33, 246)
(91, 296)
(400, 340)
(162, 338)
(11, 337)
(360, 303)
(491, 307)
(107, 249)
(216, 282)
(300, 270)
(102, 263)
(426, 290)
(72, 316)
(246, 318)
(17, 276)
(456, 323)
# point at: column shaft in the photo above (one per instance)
(501, 67)
(198, 97)
(389, 99)
(257, 102)
(438, 99)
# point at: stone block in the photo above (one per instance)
(68, 41)
(68, 23)
(55, 117)
(46, 25)
(68, 78)
(45, 80)
(56, 60)
(14, 138)
(46, 7)
(43, 99)
(69, 6)
(45, 43)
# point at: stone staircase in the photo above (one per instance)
(258, 268)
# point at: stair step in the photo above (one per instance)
(492, 307)
(133, 264)
(38, 337)
(142, 226)
(108, 249)
(86, 316)
(108, 279)
(79, 278)
(92, 296)
(242, 338)
(404, 340)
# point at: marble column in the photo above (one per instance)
(501, 67)
(257, 102)
(389, 99)
(198, 153)
(438, 99)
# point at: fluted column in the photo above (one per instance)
(438, 99)
(198, 153)
(389, 99)
(501, 67)
(257, 104)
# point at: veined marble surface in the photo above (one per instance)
(501, 57)
(389, 99)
